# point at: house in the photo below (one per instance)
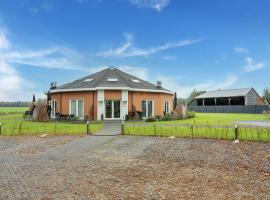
(245, 100)
(110, 94)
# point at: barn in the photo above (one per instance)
(244, 100)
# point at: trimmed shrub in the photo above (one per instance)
(191, 114)
(150, 119)
(167, 117)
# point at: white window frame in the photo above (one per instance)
(112, 118)
(53, 107)
(167, 107)
(147, 103)
(77, 107)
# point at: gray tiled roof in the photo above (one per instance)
(225, 93)
(99, 79)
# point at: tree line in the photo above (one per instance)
(14, 104)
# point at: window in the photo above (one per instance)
(76, 108)
(147, 108)
(54, 108)
(135, 80)
(87, 80)
(112, 79)
(167, 107)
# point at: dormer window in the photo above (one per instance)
(112, 79)
(135, 80)
(87, 80)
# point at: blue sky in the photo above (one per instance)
(201, 44)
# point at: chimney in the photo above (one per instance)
(159, 84)
(53, 85)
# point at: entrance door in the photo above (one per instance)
(112, 109)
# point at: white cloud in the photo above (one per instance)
(183, 90)
(12, 85)
(52, 57)
(252, 66)
(4, 43)
(241, 50)
(158, 5)
(169, 57)
(139, 72)
(128, 50)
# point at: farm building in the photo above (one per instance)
(110, 94)
(245, 100)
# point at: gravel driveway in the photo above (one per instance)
(126, 167)
(258, 123)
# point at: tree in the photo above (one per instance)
(194, 94)
(266, 93)
(175, 101)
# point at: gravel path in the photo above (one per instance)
(126, 167)
(254, 123)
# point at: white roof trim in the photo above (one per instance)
(110, 88)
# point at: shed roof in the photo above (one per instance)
(225, 93)
(111, 78)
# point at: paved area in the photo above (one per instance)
(111, 128)
(261, 123)
(126, 167)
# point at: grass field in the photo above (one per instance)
(14, 124)
(12, 110)
(217, 119)
(205, 125)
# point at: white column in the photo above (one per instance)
(124, 104)
(100, 102)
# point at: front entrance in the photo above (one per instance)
(112, 109)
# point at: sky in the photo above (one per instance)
(186, 44)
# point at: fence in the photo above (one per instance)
(252, 109)
(198, 131)
(53, 128)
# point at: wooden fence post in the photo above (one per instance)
(192, 130)
(235, 132)
(20, 128)
(87, 127)
(155, 130)
(123, 127)
(0, 128)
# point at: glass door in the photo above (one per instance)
(108, 109)
(116, 109)
(147, 108)
(112, 109)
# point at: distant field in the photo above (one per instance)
(14, 124)
(13, 109)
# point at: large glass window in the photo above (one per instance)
(77, 108)
(167, 107)
(147, 108)
(54, 108)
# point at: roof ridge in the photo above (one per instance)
(229, 89)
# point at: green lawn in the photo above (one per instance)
(14, 124)
(205, 125)
(12, 109)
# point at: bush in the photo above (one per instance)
(191, 115)
(167, 117)
(150, 119)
